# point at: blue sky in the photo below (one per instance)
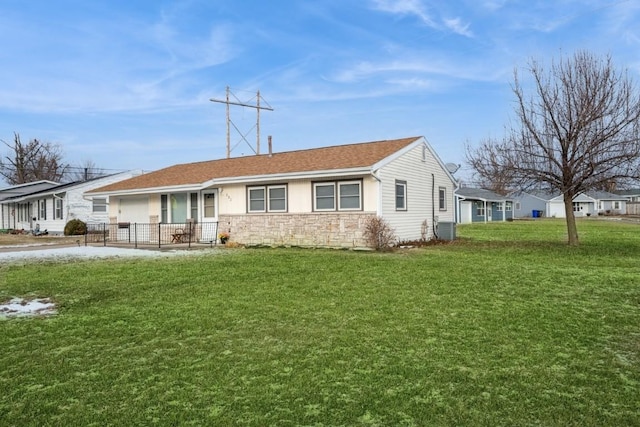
(127, 84)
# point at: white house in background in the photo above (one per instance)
(7, 215)
(584, 204)
(315, 197)
(53, 206)
(632, 195)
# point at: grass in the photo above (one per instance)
(507, 326)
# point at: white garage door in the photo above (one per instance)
(134, 210)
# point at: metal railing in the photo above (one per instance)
(139, 234)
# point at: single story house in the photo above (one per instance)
(632, 195)
(530, 204)
(633, 200)
(7, 214)
(315, 197)
(584, 204)
(50, 208)
(480, 205)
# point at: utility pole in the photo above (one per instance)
(239, 103)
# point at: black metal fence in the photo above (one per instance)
(144, 234)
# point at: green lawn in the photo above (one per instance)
(507, 326)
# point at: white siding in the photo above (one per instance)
(424, 178)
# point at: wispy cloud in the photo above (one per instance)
(418, 9)
(405, 7)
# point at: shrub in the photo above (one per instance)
(75, 227)
(378, 234)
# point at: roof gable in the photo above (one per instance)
(338, 157)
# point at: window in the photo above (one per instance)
(517, 206)
(401, 195)
(498, 206)
(257, 199)
(508, 206)
(99, 205)
(616, 205)
(57, 214)
(164, 216)
(325, 197)
(277, 198)
(577, 207)
(178, 207)
(268, 198)
(479, 209)
(209, 205)
(345, 195)
(349, 196)
(442, 198)
(194, 205)
(42, 209)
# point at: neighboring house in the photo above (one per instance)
(530, 204)
(633, 200)
(632, 195)
(584, 204)
(9, 216)
(480, 205)
(52, 207)
(315, 197)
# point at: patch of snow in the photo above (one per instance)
(89, 252)
(18, 307)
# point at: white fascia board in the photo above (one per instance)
(324, 174)
(420, 141)
(145, 191)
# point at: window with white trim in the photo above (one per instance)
(349, 196)
(277, 201)
(508, 206)
(42, 209)
(442, 198)
(324, 196)
(479, 208)
(498, 206)
(57, 211)
(209, 205)
(267, 198)
(401, 195)
(616, 205)
(340, 195)
(99, 205)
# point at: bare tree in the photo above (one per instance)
(489, 174)
(33, 161)
(578, 131)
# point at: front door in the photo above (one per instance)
(209, 215)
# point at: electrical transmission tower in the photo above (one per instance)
(243, 136)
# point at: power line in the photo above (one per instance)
(239, 103)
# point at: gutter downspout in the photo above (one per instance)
(377, 178)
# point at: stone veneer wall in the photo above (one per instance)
(336, 230)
